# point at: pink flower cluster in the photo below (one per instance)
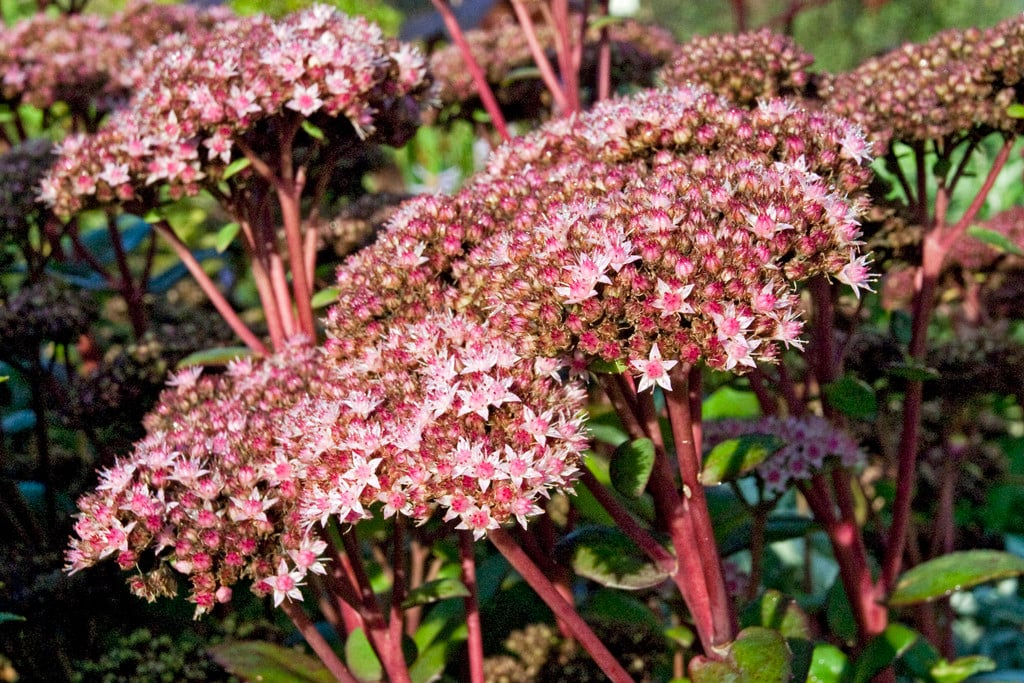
(954, 82)
(208, 493)
(744, 67)
(78, 59)
(438, 413)
(809, 442)
(670, 224)
(199, 97)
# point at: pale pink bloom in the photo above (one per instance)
(856, 273)
(671, 300)
(285, 584)
(653, 370)
(306, 100)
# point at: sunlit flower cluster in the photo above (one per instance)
(637, 51)
(78, 58)
(203, 99)
(208, 493)
(439, 413)
(809, 441)
(744, 67)
(957, 81)
(669, 223)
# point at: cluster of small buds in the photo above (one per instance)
(201, 99)
(668, 225)
(438, 414)
(983, 359)
(809, 442)
(955, 82)
(208, 494)
(46, 310)
(637, 51)
(78, 58)
(744, 68)
(122, 388)
(21, 168)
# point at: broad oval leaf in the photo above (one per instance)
(915, 372)
(325, 297)
(360, 658)
(226, 235)
(630, 467)
(609, 557)
(779, 612)
(885, 649)
(734, 458)
(758, 655)
(269, 663)
(781, 526)
(727, 402)
(957, 571)
(829, 664)
(852, 396)
(959, 669)
(435, 591)
(221, 355)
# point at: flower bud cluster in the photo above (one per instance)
(438, 413)
(207, 493)
(637, 50)
(21, 168)
(122, 388)
(46, 310)
(957, 81)
(971, 254)
(744, 67)
(78, 59)
(201, 98)
(809, 442)
(670, 223)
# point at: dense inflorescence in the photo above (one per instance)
(21, 168)
(637, 50)
(439, 413)
(670, 225)
(201, 99)
(79, 59)
(744, 68)
(47, 310)
(809, 442)
(958, 81)
(208, 494)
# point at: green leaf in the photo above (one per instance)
(959, 669)
(778, 612)
(325, 297)
(221, 355)
(430, 664)
(1015, 111)
(727, 402)
(883, 651)
(996, 240)
(619, 610)
(839, 613)
(734, 458)
(18, 421)
(912, 371)
(957, 571)
(7, 616)
(435, 591)
(4, 378)
(598, 23)
(941, 167)
(312, 130)
(681, 635)
(269, 663)
(226, 235)
(781, 526)
(523, 73)
(607, 367)
(852, 396)
(828, 665)
(630, 467)
(362, 661)
(235, 166)
(758, 655)
(609, 557)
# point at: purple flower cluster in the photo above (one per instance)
(809, 442)
(199, 97)
(744, 67)
(957, 81)
(670, 224)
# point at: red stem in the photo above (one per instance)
(565, 612)
(471, 602)
(210, 289)
(479, 78)
(547, 72)
(317, 642)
